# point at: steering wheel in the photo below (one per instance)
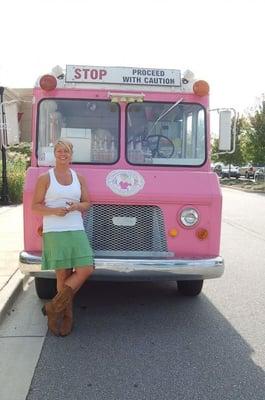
(161, 146)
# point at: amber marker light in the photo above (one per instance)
(201, 88)
(173, 232)
(202, 233)
(48, 82)
(40, 230)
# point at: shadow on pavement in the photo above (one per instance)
(144, 341)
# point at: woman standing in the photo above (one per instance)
(60, 197)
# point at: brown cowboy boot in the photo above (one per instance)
(67, 320)
(56, 306)
(53, 318)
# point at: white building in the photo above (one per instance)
(15, 115)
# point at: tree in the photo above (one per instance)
(253, 145)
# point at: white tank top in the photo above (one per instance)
(56, 196)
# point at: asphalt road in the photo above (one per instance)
(144, 341)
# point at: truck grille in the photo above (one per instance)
(126, 230)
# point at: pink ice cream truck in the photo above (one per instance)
(141, 138)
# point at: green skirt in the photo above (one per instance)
(64, 250)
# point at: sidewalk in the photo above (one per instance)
(11, 243)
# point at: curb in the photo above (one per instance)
(10, 291)
(242, 189)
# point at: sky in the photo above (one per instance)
(221, 42)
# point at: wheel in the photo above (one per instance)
(45, 288)
(190, 288)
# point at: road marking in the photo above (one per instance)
(243, 228)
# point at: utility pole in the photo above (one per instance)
(4, 196)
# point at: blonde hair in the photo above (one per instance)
(64, 143)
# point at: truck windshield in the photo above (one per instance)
(92, 127)
(178, 138)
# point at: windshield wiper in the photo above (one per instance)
(164, 114)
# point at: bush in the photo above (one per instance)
(17, 162)
(23, 148)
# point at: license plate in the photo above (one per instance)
(124, 221)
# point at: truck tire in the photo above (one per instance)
(190, 288)
(45, 288)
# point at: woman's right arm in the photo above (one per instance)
(38, 205)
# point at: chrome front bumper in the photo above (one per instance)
(127, 269)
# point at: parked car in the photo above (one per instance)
(260, 175)
(232, 172)
(218, 168)
(248, 171)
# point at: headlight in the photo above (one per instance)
(189, 217)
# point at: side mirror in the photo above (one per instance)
(225, 130)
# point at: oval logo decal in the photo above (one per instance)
(125, 182)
